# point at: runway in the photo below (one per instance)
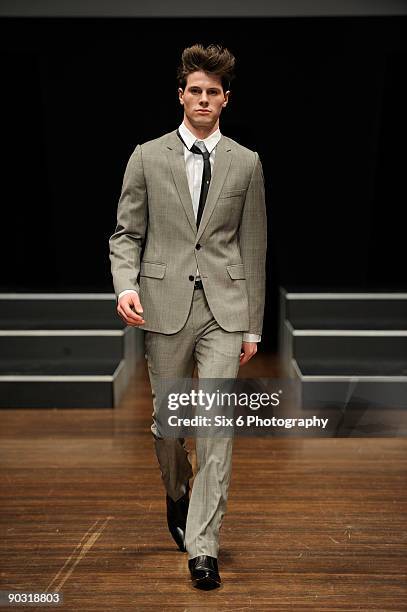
(312, 524)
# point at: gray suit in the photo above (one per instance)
(155, 211)
(155, 250)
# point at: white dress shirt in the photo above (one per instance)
(194, 165)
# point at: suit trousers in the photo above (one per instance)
(216, 353)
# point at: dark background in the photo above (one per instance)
(323, 100)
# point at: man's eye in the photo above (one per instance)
(195, 91)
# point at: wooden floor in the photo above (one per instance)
(312, 524)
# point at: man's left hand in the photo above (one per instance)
(249, 349)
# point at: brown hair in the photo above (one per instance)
(213, 59)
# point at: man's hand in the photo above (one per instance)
(125, 309)
(249, 349)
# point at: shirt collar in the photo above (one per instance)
(189, 138)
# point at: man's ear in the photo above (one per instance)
(180, 91)
(227, 96)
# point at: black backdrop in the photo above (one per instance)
(323, 101)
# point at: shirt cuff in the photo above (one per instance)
(126, 291)
(251, 337)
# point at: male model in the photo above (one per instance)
(188, 264)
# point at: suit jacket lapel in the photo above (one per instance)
(223, 158)
(175, 154)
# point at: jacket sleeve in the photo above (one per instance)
(126, 243)
(253, 246)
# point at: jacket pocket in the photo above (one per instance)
(229, 193)
(236, 271)
(153, 270)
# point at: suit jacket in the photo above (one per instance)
(156, 245)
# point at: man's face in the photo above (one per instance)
(203, 99)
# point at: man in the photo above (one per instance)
(188, 264)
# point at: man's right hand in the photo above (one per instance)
(125, 307)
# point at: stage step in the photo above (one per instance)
(65, 351)
(346, 347)
(342, 385)
(376, 346)
(344, 310)
(61, 384)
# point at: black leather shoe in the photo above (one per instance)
(177, 512)
(204, 571)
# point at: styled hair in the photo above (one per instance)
(212, 59)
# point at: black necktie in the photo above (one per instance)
(206, 178)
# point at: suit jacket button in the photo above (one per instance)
(198, 246)
(191, 278)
